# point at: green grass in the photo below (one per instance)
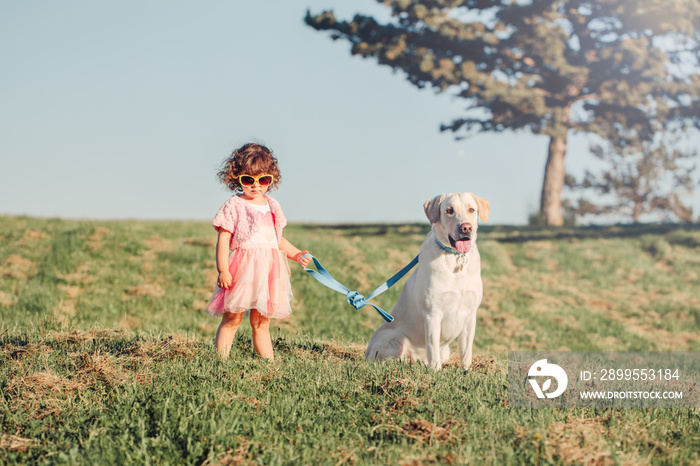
(107, 357)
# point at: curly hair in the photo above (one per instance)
(250, 159)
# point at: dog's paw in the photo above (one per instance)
(466, 364)
(436, 366)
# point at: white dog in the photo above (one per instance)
(438, 303)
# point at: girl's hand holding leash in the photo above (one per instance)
(303, 261)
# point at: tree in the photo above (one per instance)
(640, 179)
(547, 66)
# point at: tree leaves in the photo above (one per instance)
(503, 57)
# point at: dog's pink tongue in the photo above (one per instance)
(463, 246)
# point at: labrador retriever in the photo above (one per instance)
(438, 303)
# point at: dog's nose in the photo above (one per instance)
(466, 228)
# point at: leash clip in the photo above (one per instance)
(356, 300)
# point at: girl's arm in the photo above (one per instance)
(294, 253)
(222, 250)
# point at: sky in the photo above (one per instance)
(126, 110)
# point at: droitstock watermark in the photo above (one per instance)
(604, 379)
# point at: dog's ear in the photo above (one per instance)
(484, 208)
(432, 208)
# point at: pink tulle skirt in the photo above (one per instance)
(260, 281)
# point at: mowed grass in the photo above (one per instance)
(107, 357)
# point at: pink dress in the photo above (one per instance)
(260, 275)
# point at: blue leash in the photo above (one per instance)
(354, 298)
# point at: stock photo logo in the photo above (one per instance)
(542, 369)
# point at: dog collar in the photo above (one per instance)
(462, 259)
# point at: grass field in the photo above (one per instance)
(107, 355)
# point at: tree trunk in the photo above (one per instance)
(554, 181)
(636, 211)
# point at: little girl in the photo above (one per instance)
(255, 276)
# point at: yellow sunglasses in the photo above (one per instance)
(249, 180)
